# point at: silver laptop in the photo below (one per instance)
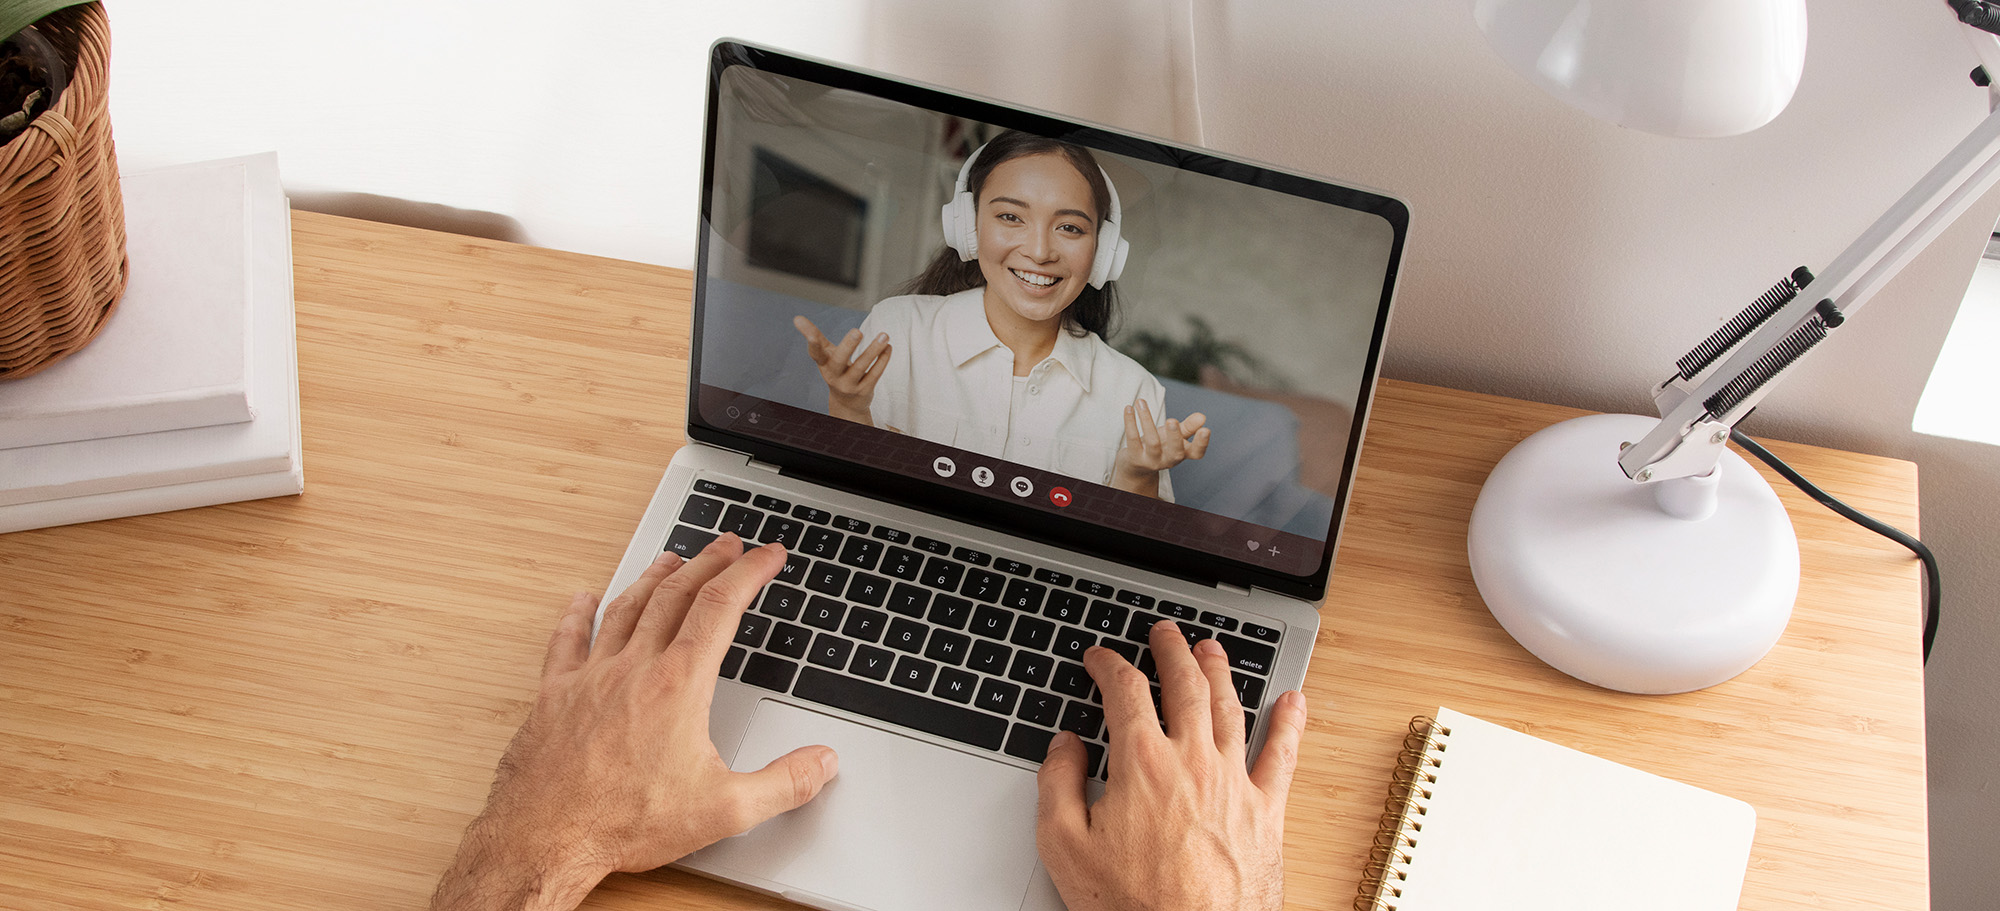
(971, 505)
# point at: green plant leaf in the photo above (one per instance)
(16, 15)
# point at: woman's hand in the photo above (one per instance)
(1152, 448)
(850, 380)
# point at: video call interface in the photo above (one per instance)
(1146, 340)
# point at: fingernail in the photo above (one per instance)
(1062, 740)
(668, 559)
(1293, 698)
(829, 762)
(1211, 647)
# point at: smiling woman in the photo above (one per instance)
(998, 346)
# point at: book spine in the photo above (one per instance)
(1403, 815)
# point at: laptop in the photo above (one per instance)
(966, 515)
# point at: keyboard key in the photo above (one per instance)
(989, 657)
(1219, 621)
(702, 511)
(794, 572)
(908, 600)
(1263, 633)
(1093, 588)
(688, 541)
(1134, 599)
(782, 601)
(1024, 596)
(1130, 651)
(732, 661)
(903, 564)
(782, 530)
(1029, 743)
(864, 624)
(824, 613)
(1249, 690)
(1140, 630)
(751, 631)
(983, 585)
(1071, 643)
(906, 635)
(1246, 655)
(896, 707)
(1068, 607)
(1033, 632)
(1249, 725)
(823, 543)
(1051, 577)
(947, 647)
(1148, 666)
(913, 673)
(1095, 753)
(770, 504)
(1011, 567)
(968, 555)
(942, 574)
(809, 514)
(1178, 611)
(830, 651)
(1105, 618)
(868, 589)
(933, 546)
(873, 663)
(790, 641)
(826, 578)
(1032, 668)
(1038, 707)
(1072, 680)
(851, 526)
(991, 622)
(861, 553)
(742, 521)
(1082, 719)
(955, 685)
(950, 611)
(712, 488)
(891, 535)
(1194, 633)
(997, 696)
(769, 672)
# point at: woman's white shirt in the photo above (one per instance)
(950, 380)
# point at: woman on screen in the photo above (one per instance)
(998, 346)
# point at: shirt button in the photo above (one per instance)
(1034, 390)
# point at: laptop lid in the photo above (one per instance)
(1179, 282)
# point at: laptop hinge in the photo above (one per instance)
(1228, 589)
(767, 466)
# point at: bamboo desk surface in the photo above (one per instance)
(298, 702)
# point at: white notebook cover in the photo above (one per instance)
(175, 352)
(267, 445)
(1514, 821)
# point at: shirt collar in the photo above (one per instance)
(968, 335)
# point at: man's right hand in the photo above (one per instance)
(850, 380)
(1181, 826)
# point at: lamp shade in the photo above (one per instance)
(1699, 68)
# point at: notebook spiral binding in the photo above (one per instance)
(1402, 817)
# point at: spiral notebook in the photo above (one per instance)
(1483, 817)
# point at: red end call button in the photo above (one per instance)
(1060, 496)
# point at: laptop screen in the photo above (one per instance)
(1059, 330)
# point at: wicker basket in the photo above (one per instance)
(62, 220)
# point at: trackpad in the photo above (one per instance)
(906, 824)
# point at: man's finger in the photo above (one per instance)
(1062, 813)
(1128, 701)
(1183, 686)
(569, 645)
(710, 622)
(614, 627)
(1273, 772)
(1224, 711)
(662, 616)
(786, 784)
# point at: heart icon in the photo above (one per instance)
(1252, 545)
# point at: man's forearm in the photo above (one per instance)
(494, 871)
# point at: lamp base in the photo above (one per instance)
(1586, 570)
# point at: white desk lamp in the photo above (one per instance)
(1582, 538)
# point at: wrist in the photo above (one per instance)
(502, 865)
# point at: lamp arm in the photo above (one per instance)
(1698, 410)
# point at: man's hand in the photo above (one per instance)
(1151, 448)
(1181, 825)
(613, 770)
(850, 380)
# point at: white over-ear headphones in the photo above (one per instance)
(961, 227)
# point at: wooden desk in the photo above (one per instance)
(297, 703)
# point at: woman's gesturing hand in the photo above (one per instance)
(850, 380)
(1152, 448)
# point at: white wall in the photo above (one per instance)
(1552, 256)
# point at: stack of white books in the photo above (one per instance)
(190, 394)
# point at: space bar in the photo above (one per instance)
(898, 707)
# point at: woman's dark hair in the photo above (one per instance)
(1093, 309)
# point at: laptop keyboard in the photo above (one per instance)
(937, 636)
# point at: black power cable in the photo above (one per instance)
(1865, 521)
